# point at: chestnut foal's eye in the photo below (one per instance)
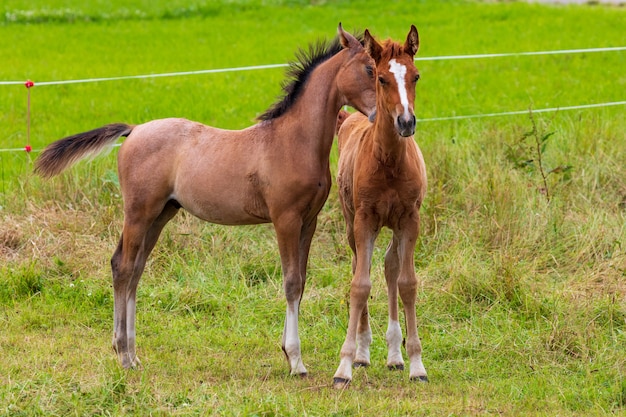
(417, 78)
(382, 81)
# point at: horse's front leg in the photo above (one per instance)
(288, 234)
(364, 332)
(359, 292)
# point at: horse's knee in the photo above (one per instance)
(360, 290)
(293, 288)
(117, 267)
(407, 286)
(115, 262)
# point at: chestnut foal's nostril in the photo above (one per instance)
(406, 121)
(406, 127)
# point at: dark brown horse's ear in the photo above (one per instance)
(347, 40)
(372, 47)
(412, 44)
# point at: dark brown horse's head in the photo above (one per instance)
(397, 77)
(354, 77)
(356, 80)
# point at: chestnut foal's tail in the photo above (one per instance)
(61, 154)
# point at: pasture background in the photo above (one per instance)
(522, 303)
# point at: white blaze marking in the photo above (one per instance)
(399, 71)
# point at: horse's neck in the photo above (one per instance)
(315, 111)
(389, 146)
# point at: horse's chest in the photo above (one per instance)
(389, 198)
(392, 203)
(402, 186)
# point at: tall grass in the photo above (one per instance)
(522, 300)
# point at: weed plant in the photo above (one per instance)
(522, 307)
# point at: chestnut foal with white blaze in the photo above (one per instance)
(382, 182)
(274, 171)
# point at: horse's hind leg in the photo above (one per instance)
(120, 340)
(407, 286)
(123, 266)
(394, 332)
(363, 340)
(128, 262)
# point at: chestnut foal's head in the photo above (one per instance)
(397, 77)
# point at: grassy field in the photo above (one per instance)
(522, 258)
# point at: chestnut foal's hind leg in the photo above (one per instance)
(394, 332)
(363, 340)
(407, 286)
(127, 264)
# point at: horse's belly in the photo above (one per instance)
(228, 207)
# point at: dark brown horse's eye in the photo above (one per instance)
(417, 78)
(369, 70)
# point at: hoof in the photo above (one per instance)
(421, 378)
(360, 365)
(398, 367)
(340, 383)
(134, 364)
(296, 373)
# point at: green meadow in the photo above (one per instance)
(522, 255)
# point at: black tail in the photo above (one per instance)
(63, 153)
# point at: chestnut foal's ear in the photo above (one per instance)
(412, 44)
(347, 40)
(372, 47)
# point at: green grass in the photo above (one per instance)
(522, 303)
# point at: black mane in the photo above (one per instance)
(298, 73)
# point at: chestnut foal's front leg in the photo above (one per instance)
(358, 324)
(363, 332)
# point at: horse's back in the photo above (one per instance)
(351, 129)
(168, 140)
(170, 132)
(151, 150)
(350, 135)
